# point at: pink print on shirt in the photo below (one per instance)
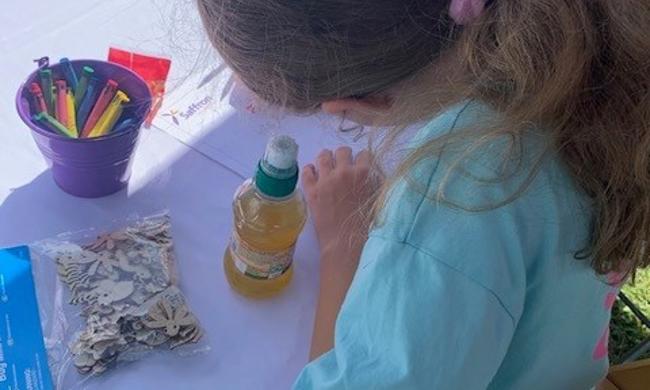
(610, 299)
(602, 347)
(616, 280)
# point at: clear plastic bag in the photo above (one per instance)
(109, 296)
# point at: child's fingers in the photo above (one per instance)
(309, 175)
(343, 156)
(364, 158)
(325, 162)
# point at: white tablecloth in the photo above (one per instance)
(190, 168)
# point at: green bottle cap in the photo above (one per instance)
(277, 172)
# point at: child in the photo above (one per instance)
(498, 245)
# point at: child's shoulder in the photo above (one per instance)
(488, 210)
(492, 177)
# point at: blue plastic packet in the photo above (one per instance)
(23, 360)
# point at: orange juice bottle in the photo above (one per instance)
(269, 214)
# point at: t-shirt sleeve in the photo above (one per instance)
(410, 321)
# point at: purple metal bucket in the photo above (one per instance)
(91, 167)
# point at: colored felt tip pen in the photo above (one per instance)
(37, 96)
(83, 110)
(110, 116)
(103, 101)
(47, 85)
(47, 121)
(124, 125)
(72, 116)
(86, 73)
(62, 102)
(70, 74)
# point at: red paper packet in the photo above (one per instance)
(153, 70)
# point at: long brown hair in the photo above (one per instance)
(579, 69)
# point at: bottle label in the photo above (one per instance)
(260, 264)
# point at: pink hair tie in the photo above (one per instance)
(466, 11)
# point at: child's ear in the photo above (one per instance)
(376, 104)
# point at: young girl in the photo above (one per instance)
(497, 246)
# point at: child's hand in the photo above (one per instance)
(339, 188)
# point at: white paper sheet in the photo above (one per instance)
(219, 117)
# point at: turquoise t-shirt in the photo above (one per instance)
(446, 298)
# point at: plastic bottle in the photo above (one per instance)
(269, 215)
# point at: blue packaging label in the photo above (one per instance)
(23, 361)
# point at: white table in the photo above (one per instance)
(191, 169)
